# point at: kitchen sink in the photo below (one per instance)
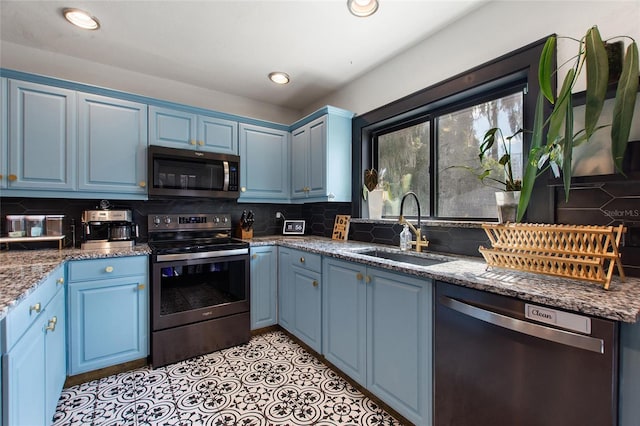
(412, 258)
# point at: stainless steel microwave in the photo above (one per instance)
(189, 173)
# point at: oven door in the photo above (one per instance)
(189, 291)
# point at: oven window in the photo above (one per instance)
(203, 285)
(191, 174)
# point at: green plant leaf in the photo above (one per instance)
(558, 115)
(545, 69)
(624, 105)
(488, 141)
(531, 168)
(567, 148)
(597, 78)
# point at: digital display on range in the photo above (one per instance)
(192, 219)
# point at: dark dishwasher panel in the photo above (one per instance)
(493, 366)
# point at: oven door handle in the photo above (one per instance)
(201, 255)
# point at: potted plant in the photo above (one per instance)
(555, 150)
(498, 174)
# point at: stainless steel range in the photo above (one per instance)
(200, 286)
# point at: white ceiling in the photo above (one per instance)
(231, 46)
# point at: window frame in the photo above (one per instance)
(519, 65)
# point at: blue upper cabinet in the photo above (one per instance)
(112, 145)
(179, 129)
(321, 157)
(42, 137)
(264, 164)
(3, 133)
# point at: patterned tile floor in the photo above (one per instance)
(269, 381)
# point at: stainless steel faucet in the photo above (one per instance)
(421, 241)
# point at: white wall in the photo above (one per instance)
(492, 30)
(65, 67)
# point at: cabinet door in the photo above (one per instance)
(299, 162)
(42, 137)
(172, 128)
(344, 317)
(285, 290)
(217, 135)
(24, 366)
(307, 307)
(3, 134)
(55, 352)
(264, 279)
(108, 322)
(399, 358)
(112, 145)
(264, 164)
(317, 173)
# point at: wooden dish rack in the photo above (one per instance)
(572, 251)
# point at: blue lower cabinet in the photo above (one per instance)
(264, 286)
(108, 317)
(35, 366)
(377, 328)
(299, 295)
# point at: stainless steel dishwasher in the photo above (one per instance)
(501, 361)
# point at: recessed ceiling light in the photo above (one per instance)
(362, 8)
(279, 77)
(81, 19)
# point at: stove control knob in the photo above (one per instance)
(167, 220)
(156, 221)
(216, 219)
(225, 219)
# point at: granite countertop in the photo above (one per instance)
(620, 303)
(21, 271)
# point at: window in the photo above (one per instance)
(421, 139)
(403, 158)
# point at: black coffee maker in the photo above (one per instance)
(108, 229)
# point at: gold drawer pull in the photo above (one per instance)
(359, 276)
(367, 279)
(35, 308)
(254, 256)
(192, 142)
(12, 178)
(302, 260)
(52, 324)
(60, 280)
(108, 269)
(140, 286)
(314, 283)
(142, 184)
(201, 143)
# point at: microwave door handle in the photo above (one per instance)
(225, 186)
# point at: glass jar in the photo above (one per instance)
(54, 224)
(15, 226)
(35, 225)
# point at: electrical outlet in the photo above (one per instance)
(279, 215)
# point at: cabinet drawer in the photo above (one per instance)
(310, 261)
(113, 267)
(32, 307)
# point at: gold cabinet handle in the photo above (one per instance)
(367, 279)
(192, 142)
(243, 189)
(314, 283)
(142, 184)
(302, 260)
(201, 143)
(35, 308)
(359, 276)
(140, 286)
(254, 256)
(1, 176)
(12, 178)
(52, 324)
(108, 269)
(60, 280)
